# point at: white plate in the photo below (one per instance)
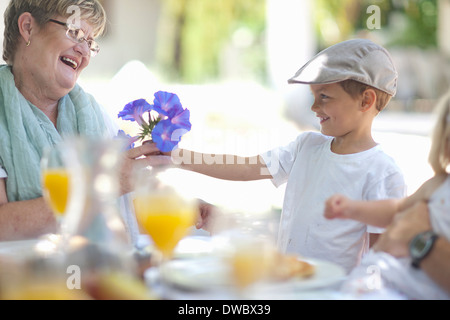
(193, 247)
(213, 273)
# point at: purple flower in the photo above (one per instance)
(134, 110)
(167, 123)
(167, 135)
(182, 120)
(162, 135)
(167, 103)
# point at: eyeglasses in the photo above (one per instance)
(77, 35)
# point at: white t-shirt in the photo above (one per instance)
(314, 173)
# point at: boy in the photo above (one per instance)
(351, 83)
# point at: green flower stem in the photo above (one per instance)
(147, 128)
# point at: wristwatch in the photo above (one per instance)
(420, 246)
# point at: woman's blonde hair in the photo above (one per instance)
(44, 10)
(439, 157)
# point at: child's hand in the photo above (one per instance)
(154, 156)
(337, 206)
(204, 218)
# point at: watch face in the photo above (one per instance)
(420, 245)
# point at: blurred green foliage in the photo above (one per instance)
(403, 22)
(194, 34)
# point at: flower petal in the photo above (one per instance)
(129, 140)
(182, 120)
(134, 110)
(165, 136)
(167, 103)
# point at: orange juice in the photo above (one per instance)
(246, 268)
(56, 189)
(166, 218)
(54, 290)
(251, 261)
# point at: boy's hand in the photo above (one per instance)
(338, 206)
(204, 218)
(155, 157)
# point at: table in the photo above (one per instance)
(197, 253)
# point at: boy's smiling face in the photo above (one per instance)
(339, 113)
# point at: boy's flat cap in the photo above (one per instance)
(358, 59)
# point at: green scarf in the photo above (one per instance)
(25, 131)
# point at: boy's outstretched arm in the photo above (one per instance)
(222, 166)
(376, 213)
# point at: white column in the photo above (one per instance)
(291, 43)
(444, 26)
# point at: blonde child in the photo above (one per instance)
(411, 237)
(352, 82)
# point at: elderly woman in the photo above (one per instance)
(47, 44)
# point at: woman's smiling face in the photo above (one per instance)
(54, 60)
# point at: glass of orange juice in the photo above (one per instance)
(251, 249)
(250, 262)
(162, 211)
(55, 181)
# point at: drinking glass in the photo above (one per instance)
(252, 249)
(55, 182)
(63, 188)
(164, 212)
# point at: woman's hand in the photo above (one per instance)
(136, 158)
